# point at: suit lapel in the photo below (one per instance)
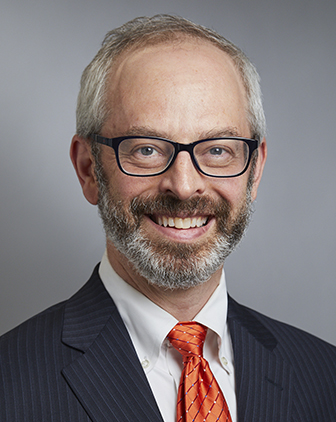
(107, 378)
(263, 379)
(110, 384)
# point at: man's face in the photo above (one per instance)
(177, 228)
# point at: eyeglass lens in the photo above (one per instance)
(218, 157)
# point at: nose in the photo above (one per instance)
(182, 179)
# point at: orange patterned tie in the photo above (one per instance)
(199, 396)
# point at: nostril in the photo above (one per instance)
(182, 179)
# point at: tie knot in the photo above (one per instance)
(188, 338)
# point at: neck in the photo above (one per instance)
(183, 305)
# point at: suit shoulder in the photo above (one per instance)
(264, 346)
(288, 333)
(51, 319)
(45, 323)
(290, 341)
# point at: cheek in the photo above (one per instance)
(121, 185)
(232, 190)
(129, 187)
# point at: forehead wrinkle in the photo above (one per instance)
(229, 131)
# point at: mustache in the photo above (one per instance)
(168, 204)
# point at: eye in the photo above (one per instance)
(147, 151)
(217, 151)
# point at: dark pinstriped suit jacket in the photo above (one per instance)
(75, 362)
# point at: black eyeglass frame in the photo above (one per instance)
(253, 144)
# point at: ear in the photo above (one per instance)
(259, 168)
(83, 162)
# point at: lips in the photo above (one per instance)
(181, 223)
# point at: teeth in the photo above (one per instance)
(186, 223)
(182, 223)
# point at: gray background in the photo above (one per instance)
(51, 238)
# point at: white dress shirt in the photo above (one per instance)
(161, 362)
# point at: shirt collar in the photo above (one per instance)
(138, 313)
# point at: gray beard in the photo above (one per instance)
(165, 264)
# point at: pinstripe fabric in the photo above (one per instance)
(109, 381)
(75, 363)
(82, 376)
(31, 388)
(282, 373)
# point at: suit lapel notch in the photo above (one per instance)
(86, 314)
(106, 377)
(109, 381)
(263, 379)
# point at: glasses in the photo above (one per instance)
(145, 156)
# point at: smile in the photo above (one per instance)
(181, 223)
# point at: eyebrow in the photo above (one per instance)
(229, 131)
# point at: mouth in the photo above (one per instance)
(179, 222)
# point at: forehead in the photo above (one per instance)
(185, 79)
(175, 57)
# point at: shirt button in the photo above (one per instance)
(145, 363)
(224, 361)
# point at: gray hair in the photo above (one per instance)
(92, 110)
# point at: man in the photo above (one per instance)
(171, 145)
